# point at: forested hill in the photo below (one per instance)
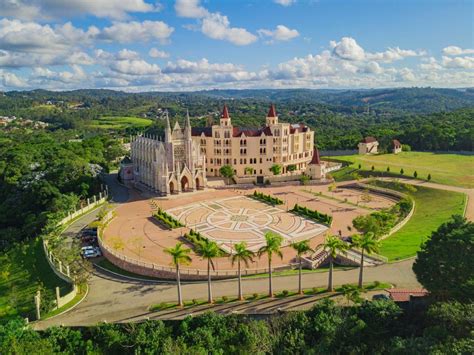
(383, 101)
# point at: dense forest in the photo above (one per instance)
(43, 175)
(423, 118)
(378, 327)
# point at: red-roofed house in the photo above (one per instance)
(396, 146)
(368, 145)
(408, 297)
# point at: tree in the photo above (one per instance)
(367, 243)
(179, 257)
(276, 169)
(301, 248)
(388, 169)
(227, 171)
(429, 177)
(373, 168)
(248, 170)
(291, 168)
(415, 174)
(402, 171)
(272, 246)
(304, 179)
(333, 245)
(241, 254)
(351, 293)
(444, 264)
(208, 250)
(360, 166)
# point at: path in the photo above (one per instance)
(115, 299)
(469, 192)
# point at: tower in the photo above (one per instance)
(272, 117)
(225, 118)
(167, 128)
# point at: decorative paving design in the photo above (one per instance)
(235, 219)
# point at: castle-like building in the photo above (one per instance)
(170, 166)
(184, 159)
(252, 152)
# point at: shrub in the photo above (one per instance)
(267, 198)
(285, 293)
(255, 296)
(314, 215)
(225, 299)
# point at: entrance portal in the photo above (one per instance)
(184, 183)
(171, 187)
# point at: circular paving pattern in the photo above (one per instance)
(236, 219)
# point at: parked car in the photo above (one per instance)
(89, 239)
(90, 252)
(89, 232)
(380, 297)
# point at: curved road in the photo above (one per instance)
(114, 299)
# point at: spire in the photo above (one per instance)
(168, 128)
(187, 127)
(315, 160)
(272, 111)
(188, 122)
(225, 112)
(176, 126)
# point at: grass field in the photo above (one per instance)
(449, 169)
(23, 270)
(432, 208)
(120, 123)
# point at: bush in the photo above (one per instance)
(285, 293)
(255, 296)
(167, 220)
(266, 198)
(225, 299)
(314, 215)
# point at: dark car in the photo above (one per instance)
(89, 231)
(380, 297)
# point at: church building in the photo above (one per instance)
(171, 166)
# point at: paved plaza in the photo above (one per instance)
(235, 219)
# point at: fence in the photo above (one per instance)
(64, 271)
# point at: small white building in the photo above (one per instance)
(396, 146)
(369, 145)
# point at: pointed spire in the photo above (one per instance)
(167, 120)
(188, 122)
(225, 112)
(272, 111)
(176, 126)
(315, 160)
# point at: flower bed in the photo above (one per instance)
(166, 219)
(266, 198)
(312, 214)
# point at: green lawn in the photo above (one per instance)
(432, 208)
(23, 270)
(449, 169)
(120, 122)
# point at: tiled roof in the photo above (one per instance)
(396, 143)
(315, 160)
(403, 294)
(272, 111)
(298, 127)
(197, 131)
(225, 112)
(369, 140)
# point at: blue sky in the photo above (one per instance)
(140, 45)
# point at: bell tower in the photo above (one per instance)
(272, 118)
(225, 118)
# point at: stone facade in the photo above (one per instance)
(252, 152)
(396, 146)
(171, 166)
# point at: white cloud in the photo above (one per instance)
(406, 74)
(202, 66)
(155, 53)
(47, 9)
(135, 67)
(217, 26)
(458, 62)
(393, 54)
(146, 31)
(348, 49)
(190, 9)
(280, 33)
(10, 80)
(284, 2)
(454, 50)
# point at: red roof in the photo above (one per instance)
(396, 143)
(316, 160)
(369, 140)
(272, 111)
(403, 294)
(225, 112)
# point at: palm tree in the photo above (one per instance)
(209, 250)
(241, 254)
(180, 257)
(367, 243)
(333, 245)
(272, 246)
(301, 248)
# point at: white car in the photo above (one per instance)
(91, 252)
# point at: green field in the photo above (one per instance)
(23, 270)
(120, 122)
(432, 208)
(449, 169)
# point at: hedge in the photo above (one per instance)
(312, 214)
(167, 220)
(266, 198)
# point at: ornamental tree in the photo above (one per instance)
(444, 265)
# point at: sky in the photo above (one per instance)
(183, 45)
